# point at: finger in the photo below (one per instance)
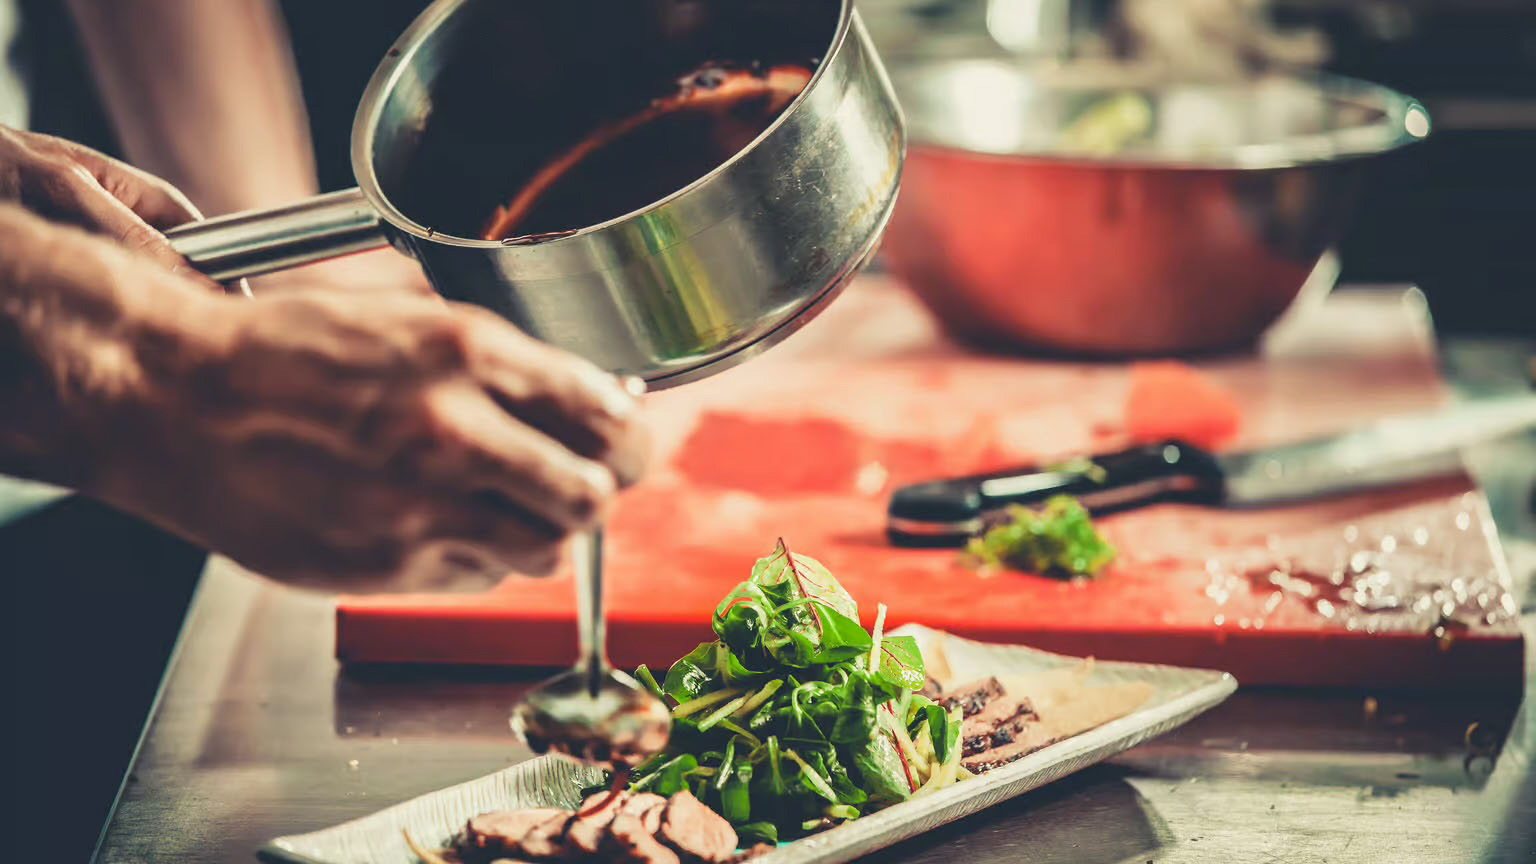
(151, 198)
(488, 450)
(75, 194)
(450, 566)
(492, 533)
(561, 395)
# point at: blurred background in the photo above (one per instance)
(1453, 216)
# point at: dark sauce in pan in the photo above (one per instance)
(635, 161)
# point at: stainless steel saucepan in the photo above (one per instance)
(478, 94)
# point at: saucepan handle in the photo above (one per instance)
(262, 241)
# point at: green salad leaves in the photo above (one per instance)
(795, 717)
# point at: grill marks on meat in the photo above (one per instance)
(997, 728)
(644, 828)
(996, 725)
(1031, 737)
(973, 697)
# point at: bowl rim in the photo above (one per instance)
(1405, 121)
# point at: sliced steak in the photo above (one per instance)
(697, 831)
(1030, 736)
(585, 834)
(996, 725)
(503, 830)
(546, 839)
(641, 802)
(648, 807)
(973, 697)
(600, 801)
(630, 838)
(651, 818)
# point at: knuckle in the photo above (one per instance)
(51, 161)
(446, 342)
(423, 437)
(409, 524)
(438, 416)
(590, 488)
(70, 175)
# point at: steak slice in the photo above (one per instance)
(995, 725)
(989, 759)
(648, 807)
(641, 802)
(546, 839)
(1030, 735)
(651, 818)
(973, 697)
(502, 830)
(584, 836)
(697, 831)
(1088, 707)
(635, 843)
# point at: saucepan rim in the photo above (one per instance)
(398, 62)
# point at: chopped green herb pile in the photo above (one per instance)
(796, 717)
(1056, 540)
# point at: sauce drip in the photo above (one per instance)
(620, 780)
(716, 111)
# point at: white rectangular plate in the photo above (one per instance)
(1177, 695)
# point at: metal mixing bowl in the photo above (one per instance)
(1105, 212)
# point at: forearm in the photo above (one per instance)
(81, 341)
(205, 94)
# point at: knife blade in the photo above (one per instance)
(1387, 452)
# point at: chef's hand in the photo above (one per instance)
(380, 442)
(72, 183)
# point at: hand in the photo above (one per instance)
(359, 442)
(72, 183)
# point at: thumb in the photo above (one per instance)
(79, 191)
(151, 198)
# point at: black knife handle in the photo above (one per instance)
(946, 512)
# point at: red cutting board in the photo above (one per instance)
(807, 442)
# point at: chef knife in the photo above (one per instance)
(1384, 453)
